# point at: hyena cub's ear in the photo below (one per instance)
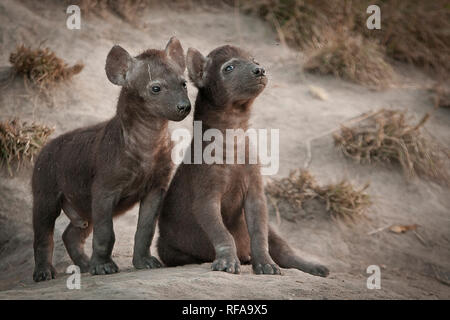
(174, 52)
(118, 66)
(196, 64)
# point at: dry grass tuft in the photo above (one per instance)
(126, 9)
(351, 58)
(300, 23)
(20, 142)
(42, 66)
(441, 95)
(416, 32)
(387, 136)
(412, 31)
(342, 200)
(130, 10)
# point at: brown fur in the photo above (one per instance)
(99, 172)
(218, 212)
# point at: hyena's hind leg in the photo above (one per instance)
(285, 257)
(74, 238)
(172, 257)
(75, 219)
(46, 208)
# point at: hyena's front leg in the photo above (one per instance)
(149, 210)
(256, 216)
(104, 238)
(206, 209)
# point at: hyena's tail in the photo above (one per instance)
(285, 256)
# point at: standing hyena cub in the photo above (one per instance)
(99, 172)
(217, 212)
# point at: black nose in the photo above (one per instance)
(184, 107)
(258, 71)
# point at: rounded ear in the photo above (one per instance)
(196, 64)
(118, 64)
(174, 52)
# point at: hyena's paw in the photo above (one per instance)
(148, 262)
(43, 273)
(266, 268)
(100, 268)
(227, 264)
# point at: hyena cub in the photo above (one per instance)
(98, 172)
(217, 212)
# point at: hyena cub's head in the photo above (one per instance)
(227, 75)
(155, 77)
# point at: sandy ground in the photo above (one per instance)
(413, 265)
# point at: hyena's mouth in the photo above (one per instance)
(262, 81)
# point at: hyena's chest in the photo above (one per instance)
(146, 172)
(139, 183)
(233, 199)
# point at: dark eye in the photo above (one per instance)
(156, 89)
(185, 84)
(228, 68)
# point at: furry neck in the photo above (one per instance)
(235, 115)
(140, 128)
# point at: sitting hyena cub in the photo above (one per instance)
(217, 212)
(99, 172)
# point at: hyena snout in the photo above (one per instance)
(184, 107)
(257, 74)
(259, 71)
